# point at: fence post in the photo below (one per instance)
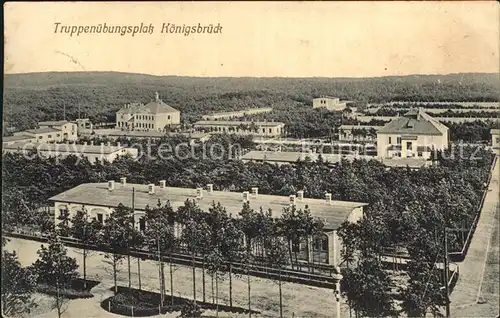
(132, 311)
(109, 305)
(159, 310)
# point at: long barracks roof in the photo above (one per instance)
(237, 123)
(415, 122)
(97, 194)
(43, 130)
(53, 123)
(64, 148)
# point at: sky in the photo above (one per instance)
(263, 39)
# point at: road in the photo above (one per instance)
(476, 293)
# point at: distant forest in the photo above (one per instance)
(29, 98)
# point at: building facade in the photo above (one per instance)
(330, 103)
(358, 133)
(264, 129)
(100, 200)
(154, 116)
(69, 130)
(495, 140)
(414, 135)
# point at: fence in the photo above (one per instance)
(459, 256)
(258, 270)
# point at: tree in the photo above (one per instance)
(195, 232)
(86, 230)
(367, 288)
(276, 257)
(114, 237)
(18, 284)
(161, 238)
(55, 268)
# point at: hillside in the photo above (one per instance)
(31, 97)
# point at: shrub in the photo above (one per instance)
(191, 309)
(65, 292)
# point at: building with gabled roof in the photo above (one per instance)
(154, 116)
(100, 200)
(415, 134)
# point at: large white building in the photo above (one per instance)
(414, 135)
(93, 153)
(330, 103)
(100, 199)
(154, 116)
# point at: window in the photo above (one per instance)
(398, 154)
(58, 135)
(295, 246)
(100, 218)
(49, 136)
(390, 140)
(398, 140)
(63, 212)
(264, 130)
(168, 117)
(408, 146)
(40, 137)
(270, 130)
(321, 244)
(419, 154)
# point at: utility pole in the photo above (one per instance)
(447, 298)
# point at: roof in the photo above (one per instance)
(289, 156)
(405, 162)
(415, 122)
(351, 127)
(237, 112)
(53, 123)
(133, 133)
(16, 138)
(43, 130)
(98, 194)
(154, 107)
(238, 122)
(64, 148)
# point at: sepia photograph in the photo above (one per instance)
(288, 159)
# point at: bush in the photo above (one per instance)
(191, 309)
(65, 292)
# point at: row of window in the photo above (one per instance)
(237, 129)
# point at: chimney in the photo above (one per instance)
(163, 184)
(123, 181)
(292, 199)
(199, 193)
(91, 142)
(111, 185)
(210, 188)
(255, 192)
(328, 197)
(300, 195)
(245, 196)
(151, 188)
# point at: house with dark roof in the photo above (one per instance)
(100, 200)
(154, 116)
(413, 135)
